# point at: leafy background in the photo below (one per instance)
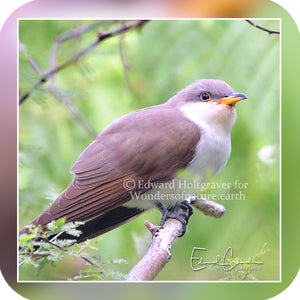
(165, 56)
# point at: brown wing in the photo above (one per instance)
(119, 153)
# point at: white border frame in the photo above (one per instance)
(280, 154)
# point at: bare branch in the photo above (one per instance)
(53, 62)
(77, 32)
(208, 207)
(126, 66)
(102, 35)
(73, 110)
(67, 250)
(30, 59)
(263, 28)
(64, 99)
(54, 67)
(106, 34)
(163, 238)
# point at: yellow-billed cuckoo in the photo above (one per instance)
(192, 129)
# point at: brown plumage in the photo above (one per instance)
(117, 154)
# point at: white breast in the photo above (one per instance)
(212, 154)
(213, 150)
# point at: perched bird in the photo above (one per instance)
(192, 129)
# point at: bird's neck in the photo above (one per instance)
(216, 118)
(215, 124)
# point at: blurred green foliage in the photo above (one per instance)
(40, 249)
(164, 57)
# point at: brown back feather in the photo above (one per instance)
(120, 152)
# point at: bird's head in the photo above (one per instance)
(209, 101)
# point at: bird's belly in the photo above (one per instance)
(211, 156)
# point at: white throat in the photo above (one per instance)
(215, 122)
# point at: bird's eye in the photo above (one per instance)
(205, 96)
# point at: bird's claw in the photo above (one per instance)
(180, 211)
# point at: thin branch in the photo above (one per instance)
(37, 255)
(77, 32)
(64, 99)
(263, 28)
(67, 250)
(163, 238)
(71, 34)
(107, 34)
(102, 35)
(30, 59)
(73, 110)
(126, 66)
(53, 62)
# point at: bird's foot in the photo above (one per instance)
(181, 211)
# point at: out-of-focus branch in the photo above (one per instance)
(63, 98)
(102, 35)
(75, 33)
(67, 250)
(208, 207)
(126, 66)
(163, 238)
(73, 110)
(49, 76)
(107, 34)
(30, 59)
(263, 28)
